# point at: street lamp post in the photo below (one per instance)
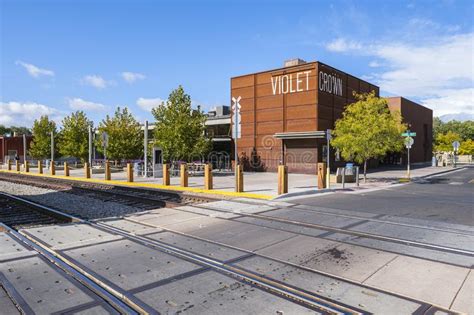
(145, 150)
(52, 147)
(90, 145)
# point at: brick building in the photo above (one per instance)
(285, 113)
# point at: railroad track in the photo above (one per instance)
(150, 199)
(137, 197)
(295, 294)
(17, 215)
(126, 304)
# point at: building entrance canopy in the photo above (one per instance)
(300, 135)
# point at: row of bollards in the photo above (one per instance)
(184, 175)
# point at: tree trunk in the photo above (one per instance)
(365, 171)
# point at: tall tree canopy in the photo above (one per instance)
(125, 137)
(74, 136)
(41, 145)
(368, 130)
(179, 129)
(11, 130)
(465, 129)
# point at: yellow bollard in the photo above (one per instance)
(239, 179)
(166, 174)
(40, 167)
(129, 172)
(66, 169)
(87, 170)
(17, 165)
(107, 170)
(321, 175)
(282, 179)
(27, 167)
(9, 165)
(184, 175)
(208, 177)
(52, 168)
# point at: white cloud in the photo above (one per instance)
(131, 77)
(439, 71)
(95, 81)
(80, 104)
(35, 71)
(451, 101)
(343, 45)
(149, 103)
(24, 114)
(374, 64)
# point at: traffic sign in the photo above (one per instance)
(328, 135)
(408, 142)
(236, 118)
(409, 134)
(105, 139)
(456, 145)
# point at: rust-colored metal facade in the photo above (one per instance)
(294, 102)
(420, 120)
(11, 146)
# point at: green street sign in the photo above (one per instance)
(409, 134)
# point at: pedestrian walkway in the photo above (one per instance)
(262, 185)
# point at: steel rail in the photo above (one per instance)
(294, 294)
(119, 300)
(345, 231)
(169, 248)
(55, 259)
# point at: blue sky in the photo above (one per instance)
(60, 56)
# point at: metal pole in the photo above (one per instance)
(90, 145)
(328, 172)
(24, 148)
(357, 176)
(454, 159)
(236, 155)
(408, 165)
(145, 150)
(344, 177)
(52, 146)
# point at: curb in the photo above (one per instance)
(326, 191)
(150, 185)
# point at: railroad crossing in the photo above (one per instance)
(112, 249)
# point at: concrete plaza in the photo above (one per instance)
(265, 184)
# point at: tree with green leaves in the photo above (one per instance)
(467, 147)
(465, 129)
(180, 129)
(74, 136)
(41, 145)
(368, 130)
(11, 130)
(444, 141)
(125, 136)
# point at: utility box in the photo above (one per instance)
(321, 175)
(349, 173)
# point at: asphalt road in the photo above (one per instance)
(445, 198)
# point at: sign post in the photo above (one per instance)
(90, 145)
(236, 131)
(328, 170)
(105, 142)
(52, 148)
(24, 149)
(456, 146)
(408, 143)
(145, 150)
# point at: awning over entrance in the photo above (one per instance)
(301, 135)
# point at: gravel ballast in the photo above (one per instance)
(80, 206)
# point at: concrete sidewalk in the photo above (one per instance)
(258, 185)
